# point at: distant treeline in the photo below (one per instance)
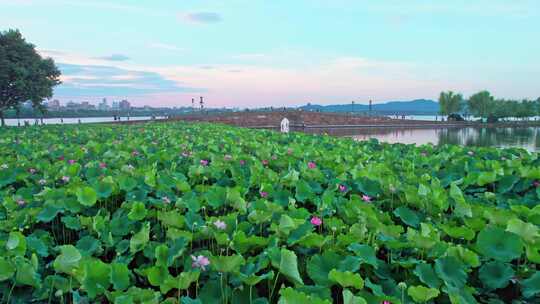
(484, 105)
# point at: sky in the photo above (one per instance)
(254, 53)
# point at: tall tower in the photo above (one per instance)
(202, 103)
(192, 104)
(370, 107)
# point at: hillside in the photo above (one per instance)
(418, 106)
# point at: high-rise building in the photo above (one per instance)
(125, 105)
(115, 105)
(53, 105)
(103, 106)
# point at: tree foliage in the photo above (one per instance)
(24, 75)
(484, 105)
(450, 102)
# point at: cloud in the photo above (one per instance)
(202, 17)
(114, 57)
(95, 80)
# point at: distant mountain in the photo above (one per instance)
(417, 106)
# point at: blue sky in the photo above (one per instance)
(273, 53)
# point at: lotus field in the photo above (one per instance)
(197, 213)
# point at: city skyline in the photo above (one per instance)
(254, 54)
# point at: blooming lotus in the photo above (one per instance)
(289, 151)
(227, 157)
(263, 194)
(65, 179)
(220, 225)
(200, 262)
(204, 162)
(316, 221)
(102, 165)
(32, 170)
(264, 162)
(386, 302)
(71, 161)
(536, 184)
(312, 165)
(166, 200)
(366, 198)
(134, 153)
(242, 162)
(21, 202)
(342, 188)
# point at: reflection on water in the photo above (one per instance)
(527, 138)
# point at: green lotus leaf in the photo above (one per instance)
(531, 286)
(68, 260)
(86, 196)
(319, 267)
(157, 275)
(96, 278)
(452, 271)
(287, 264)
(427, 275)
(27, 275)
(88, 246)
(365, 252)
(48, 213)
(103, 189)
(350, 298)
(495, 274)
(346, 279)
(227, 264)
(290, 296)
(500, 245)
(16, 243)
(422, 294)
(408, 216)
(527, 231)
(7, 270)
(185, 279)
(140, 239)
(120, 276)
(138, 211)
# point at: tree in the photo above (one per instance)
(24, 74)
(481, 104)
(450, 102)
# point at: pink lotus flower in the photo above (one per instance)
(366, 198)
(316, 221)
(21, 202)
(289, 151)
(312, 165)
(61, 158)
(135, 153)
(166, 200)
(71, 161)
(342, 188)
(65, 179)
(204, 162)
(32, 170)
(220, 225)
(265, 162)
(386, 302)
(242, 162)
(200, 262)
(263, 194)
(536, 184)
(102, 165)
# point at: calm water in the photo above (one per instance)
(527, 138)
(49, 121)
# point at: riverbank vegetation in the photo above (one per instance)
(484, 105)
(183, 213)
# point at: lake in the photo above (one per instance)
(523, 137)
(49, 121)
